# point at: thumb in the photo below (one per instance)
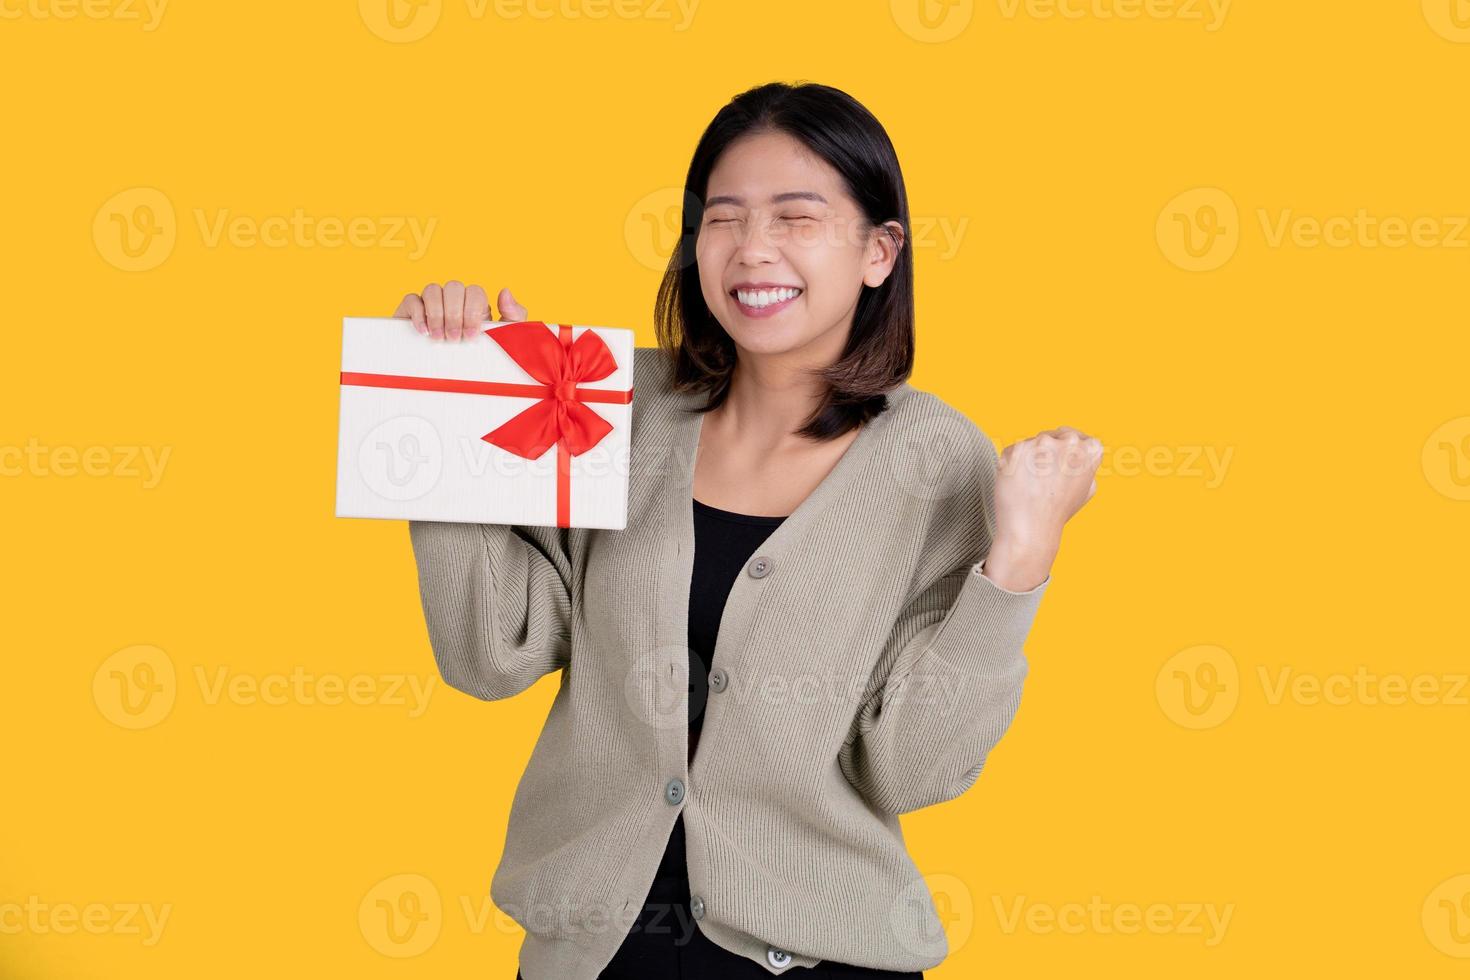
(510, 308)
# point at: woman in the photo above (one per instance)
(826, 573)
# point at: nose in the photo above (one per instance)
(757, 245)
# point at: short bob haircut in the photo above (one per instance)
(879, 354)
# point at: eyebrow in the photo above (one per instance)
(776, 199)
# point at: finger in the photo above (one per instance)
(1088, 457)
(1072, 446)
(1087, 452)
(1063, 434)
(453, 309)
(510, 308)
(476, 308)
(412, 308)
(434, 310)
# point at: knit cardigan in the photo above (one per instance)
(867, 668)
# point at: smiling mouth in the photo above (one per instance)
(763, 301)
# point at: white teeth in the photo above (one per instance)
(758, 298)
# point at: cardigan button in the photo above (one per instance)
(759, 567)
(717, 680)
(777, 957)
(674, 792)
(696, 907)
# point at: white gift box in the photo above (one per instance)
(526, 423)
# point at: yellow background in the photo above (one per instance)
(1070, 153)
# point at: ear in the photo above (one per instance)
(884, 245)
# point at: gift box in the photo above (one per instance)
(525, 423)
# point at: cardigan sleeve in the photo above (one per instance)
(497, 603)
(956, 684)
(952, 668)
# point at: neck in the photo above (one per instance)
(769, 399)
(773, 394)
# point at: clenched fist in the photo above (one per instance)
(454, 311)
(1040, 483)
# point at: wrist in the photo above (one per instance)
(1019, 563)
(1027, 544)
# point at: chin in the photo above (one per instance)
(760, 339)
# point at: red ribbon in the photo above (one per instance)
(559, 418)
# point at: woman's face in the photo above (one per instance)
(783, 251)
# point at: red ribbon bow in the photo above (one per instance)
(560, 417)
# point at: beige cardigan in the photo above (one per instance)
(866, 668)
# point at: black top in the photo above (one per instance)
(723, 542)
